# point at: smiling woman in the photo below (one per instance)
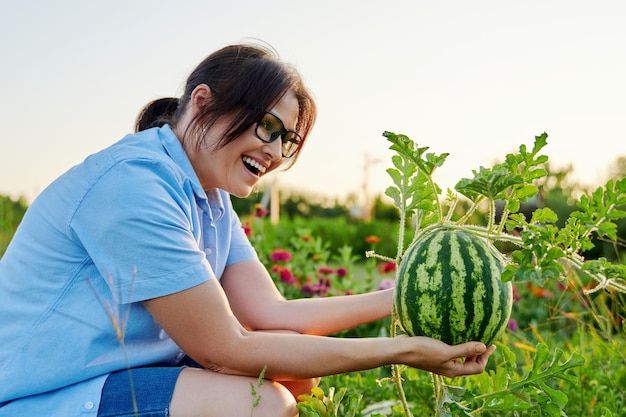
(219, 97)
(135, 260)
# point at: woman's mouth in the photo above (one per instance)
(253, 166)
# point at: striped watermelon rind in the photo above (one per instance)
(448, 288)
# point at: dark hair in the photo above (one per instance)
(156, 113)
(247, 81)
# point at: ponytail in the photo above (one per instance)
(156, 113)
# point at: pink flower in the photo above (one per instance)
(247, 229)
(320, 288)
(341, 272)
(513, 325)
(280, 255)
(325, 270)
(285, 274)
(308, 288)
(324, 282)
(386, 284)
(259, 211)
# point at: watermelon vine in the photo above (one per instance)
(543, 251)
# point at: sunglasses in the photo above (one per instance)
(270, 128)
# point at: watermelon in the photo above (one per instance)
(448, 288)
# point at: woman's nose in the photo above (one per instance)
(274, 149)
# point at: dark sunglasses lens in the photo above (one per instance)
(269, 128)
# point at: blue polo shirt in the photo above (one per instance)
(128, 224)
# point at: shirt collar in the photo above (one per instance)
(175, 150)
(216, 203)
(211, 198)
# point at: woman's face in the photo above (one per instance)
(238, 166)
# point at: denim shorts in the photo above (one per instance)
(152, 387)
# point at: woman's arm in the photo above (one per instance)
(258, 305)
(200, 321)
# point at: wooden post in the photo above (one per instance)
(274, 202)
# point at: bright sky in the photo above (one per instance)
(472, 78)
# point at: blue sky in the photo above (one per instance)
(475, 79)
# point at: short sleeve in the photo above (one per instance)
(138, 222)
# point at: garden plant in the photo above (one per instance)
(546, 372)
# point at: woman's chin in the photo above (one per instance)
(241, 192)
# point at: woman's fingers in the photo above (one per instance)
(452, 360)
(475, 357)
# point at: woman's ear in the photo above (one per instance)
(199, 97)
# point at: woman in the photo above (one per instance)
(134, 259)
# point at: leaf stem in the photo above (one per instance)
(470, 211)
(397, 374)
(434, 187)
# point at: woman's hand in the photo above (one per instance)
(443, 359)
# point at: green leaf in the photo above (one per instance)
(538, 173)
(452, 402)
(547, 366)
(540, 142)
(395, 176)
(544, 215)
(608, 229)
(526, 191)
(508, 392)
(394, 193)
(488, 182)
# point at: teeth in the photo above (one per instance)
(254, 163)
